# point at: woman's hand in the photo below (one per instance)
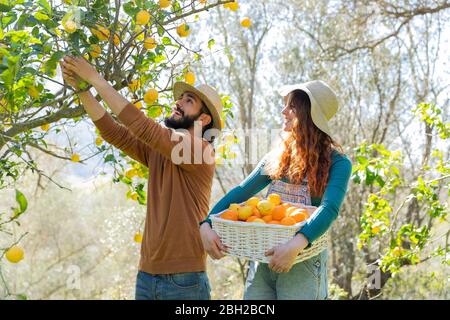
(81, 68)
(211, 242)
(284, 255)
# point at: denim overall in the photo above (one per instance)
(307, 280)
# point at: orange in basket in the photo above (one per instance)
(299, 215)
(229, 215)
(278, 213)
(288, 221)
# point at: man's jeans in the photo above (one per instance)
(175, 286)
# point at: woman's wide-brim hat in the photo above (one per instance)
(207, 94)
(324, 103)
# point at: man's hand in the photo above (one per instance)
(80, 67)
(70, 78)
(284, 255)
(211, 242)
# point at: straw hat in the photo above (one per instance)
(324, 103)
(207, 94)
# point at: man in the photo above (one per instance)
(173, 261)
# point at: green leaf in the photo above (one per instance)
(130, 9)
(44, 4)
(41, 16)
(362, 160)
(211, 42)
(22, 201)
(110, 158)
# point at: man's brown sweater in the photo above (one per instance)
(177, 194)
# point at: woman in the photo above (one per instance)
(306, 169)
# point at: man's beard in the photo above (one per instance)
(185, 122)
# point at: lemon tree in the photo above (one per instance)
(396, 234)
(138, 46)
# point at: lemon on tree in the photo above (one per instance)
(95, 51)
(98, 141)
(150, 43)
(189, 77)
(138, 104)
(100, 32)
(45, 127)
(151, 96)
(69, 26)
(14, 254)
(142, 17)
(246, 22)
(233, 6)
(134, 85)
(134, 196)
(75, 157)
(138, 237)
(165, 3)
(130, 173)
(183, 30)
(33, 92)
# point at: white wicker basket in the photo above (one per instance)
(248, 240)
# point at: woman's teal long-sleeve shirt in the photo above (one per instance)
(328, 205)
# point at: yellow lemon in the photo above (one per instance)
(130, 173)
(189, 78)
(116, 40)
(33, 92)
(101, 32)
(96, 51)
(376, 229)
(142, 17)
(203, 1)
(141, 174)
(45, 127)
(245, 212)
(138, 237)
(138, 105)
(149, 43)
(75, 157)
(253, 201)
(14, 254)
(221, 149)
(234, 207)
(165, 3)
(183, 30)
(265, 207)
(246, 22)
(397, 251)
(134, 196)
(233, 6)
(151, 96)
(98, 141)
(70, 26)
(274, 198)
(134, 85)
